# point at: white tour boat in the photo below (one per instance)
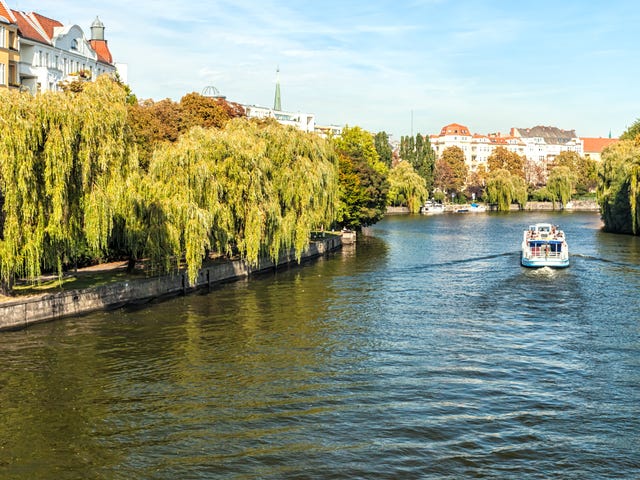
(544, 245)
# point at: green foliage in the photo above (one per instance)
(70, 186)
(257, 188)
(583, 170)
(420, 154)
(632, 133)
(406, 187)
(61, 167)
(505, 188)
(385, 153)
(618, 190)
(362, 179)
(451, 170)
(560, 184)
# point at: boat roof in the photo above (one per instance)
(541, 226)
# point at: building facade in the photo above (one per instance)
(593, 147)
(9, 48)
(302, 121)
(47, 53)
(539, 145)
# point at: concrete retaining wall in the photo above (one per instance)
(16, 314)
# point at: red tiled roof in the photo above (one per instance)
(596, 145)
(454, 129)
(6, 13)
(27, 29)
(47, 24)
(102, 49)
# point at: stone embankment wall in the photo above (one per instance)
(573, 205)
(16, 314)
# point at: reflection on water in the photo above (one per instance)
(425, 351)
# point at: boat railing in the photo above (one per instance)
(541, 252)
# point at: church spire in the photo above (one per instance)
(277, 103)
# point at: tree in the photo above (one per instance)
(62, 167)
(505, 188)
(420, 154)
(362, 179)
(501, 158)
(476, 182)
(164, 121)
(383, 147)
(451, 170)
(618, 191)
(255, 187)
(406, 187)
(561, 184)
(632, 133)
(534, 173)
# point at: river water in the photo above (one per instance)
(425, 352)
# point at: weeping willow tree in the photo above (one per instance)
(561, 184)
(505, 188)
(407, 187)
(618, 191)
(62, 161)
(254, 188)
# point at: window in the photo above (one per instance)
(2, 74)
(2, 37)
(74, 44)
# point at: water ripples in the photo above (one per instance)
(412, 356)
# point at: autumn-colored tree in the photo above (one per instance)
(476, 182)
(164, 121)
(534, 173)
(153, 123)
(207, 112)
(501, 158)
(451, 170)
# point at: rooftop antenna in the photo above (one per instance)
(277, 102)
(412, 122)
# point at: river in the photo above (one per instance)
(426, 351)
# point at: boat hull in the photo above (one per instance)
(544, 262)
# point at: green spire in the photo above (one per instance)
(609, 133)
(277, 104)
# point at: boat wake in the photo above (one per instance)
(593, 258)
(464, 261)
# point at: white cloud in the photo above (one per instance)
(372, 63)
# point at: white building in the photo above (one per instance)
(51, 52)
(538, 144)
(302, 121)
(544, 144)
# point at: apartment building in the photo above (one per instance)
(9, 48)
(38, 53)
(538, 144)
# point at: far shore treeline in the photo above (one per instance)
(90, 175)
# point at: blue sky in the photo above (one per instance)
(490, 65)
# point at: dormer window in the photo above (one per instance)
(74, 44)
